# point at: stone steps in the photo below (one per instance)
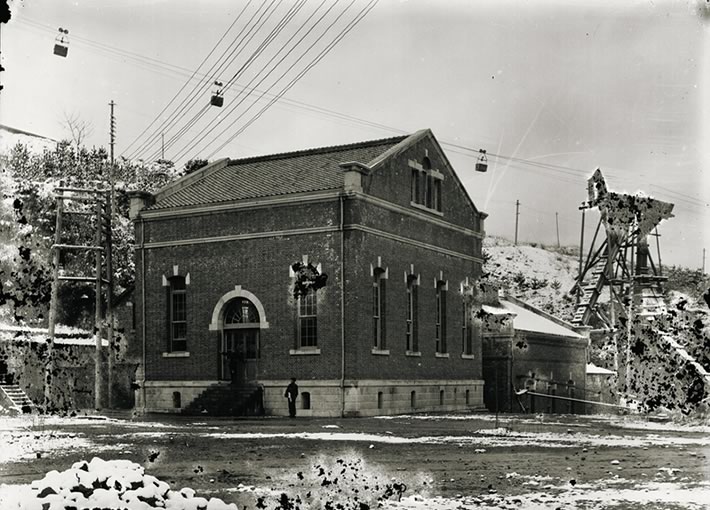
(17, 397)
(227, 400)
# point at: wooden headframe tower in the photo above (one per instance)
(619, 258)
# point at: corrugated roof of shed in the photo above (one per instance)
(527, 320)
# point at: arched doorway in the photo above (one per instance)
(240, 341)
(238, 319)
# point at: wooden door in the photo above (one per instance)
(241, 348)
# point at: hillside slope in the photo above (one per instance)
(540, 276)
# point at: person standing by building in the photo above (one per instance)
(291, 394)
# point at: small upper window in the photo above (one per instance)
(426, 185)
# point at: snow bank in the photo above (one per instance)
(106, 485)
(488, 438)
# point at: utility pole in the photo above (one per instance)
(93, 198)
(658, 249)
(53, 305)
(557, 225)
(109, 262)
(630, 313)
(583, 208)
(98, 316)
(162, 146)
(517, 213)
(703, 261)
(1, 67)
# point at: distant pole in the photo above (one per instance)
(109, 261)
(703, 261)
(49, 381)
(658, 250)
(630, 314)
(97, 317)
(1, 67)
(557, 225)
(162, 146)
(583, 207)
(517, 213)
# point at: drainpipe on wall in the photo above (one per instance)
(139, 200)
(352, 184)
(342, 308)
(143, 328)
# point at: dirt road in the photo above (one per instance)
(448, 461)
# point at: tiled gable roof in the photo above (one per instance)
(278, 174)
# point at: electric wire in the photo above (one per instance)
(314, 108)
(196, 142)
(285, 20)
(151, 64)
(235, 49)
(322, 55)
(236, 104)
(262, 46)
(191, 76)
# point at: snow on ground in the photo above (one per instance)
(580, 496)
(545, 492)
(625, 422)
(67, 335)
(488, 438)
(25, 437)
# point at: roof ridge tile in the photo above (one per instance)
(318, 150)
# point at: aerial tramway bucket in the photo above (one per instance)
(61, 43)
(482, 163)
(217, 98)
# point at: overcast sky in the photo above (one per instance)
(563, 87)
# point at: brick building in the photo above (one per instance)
(220, 250)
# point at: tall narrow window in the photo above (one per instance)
(415, 185)
(177, 314)
(308, 320)
(412, 313)
(429, 191)
(437, 195)
(378, 308)
(424, 187)
(466, 330)
(441, 317)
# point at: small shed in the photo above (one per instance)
(525, 348)
(600, 388)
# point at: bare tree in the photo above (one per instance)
(78, 128)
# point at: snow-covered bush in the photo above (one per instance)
(108, 485)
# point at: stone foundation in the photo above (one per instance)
(323, 398)
(374, 397)
(159, 395)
